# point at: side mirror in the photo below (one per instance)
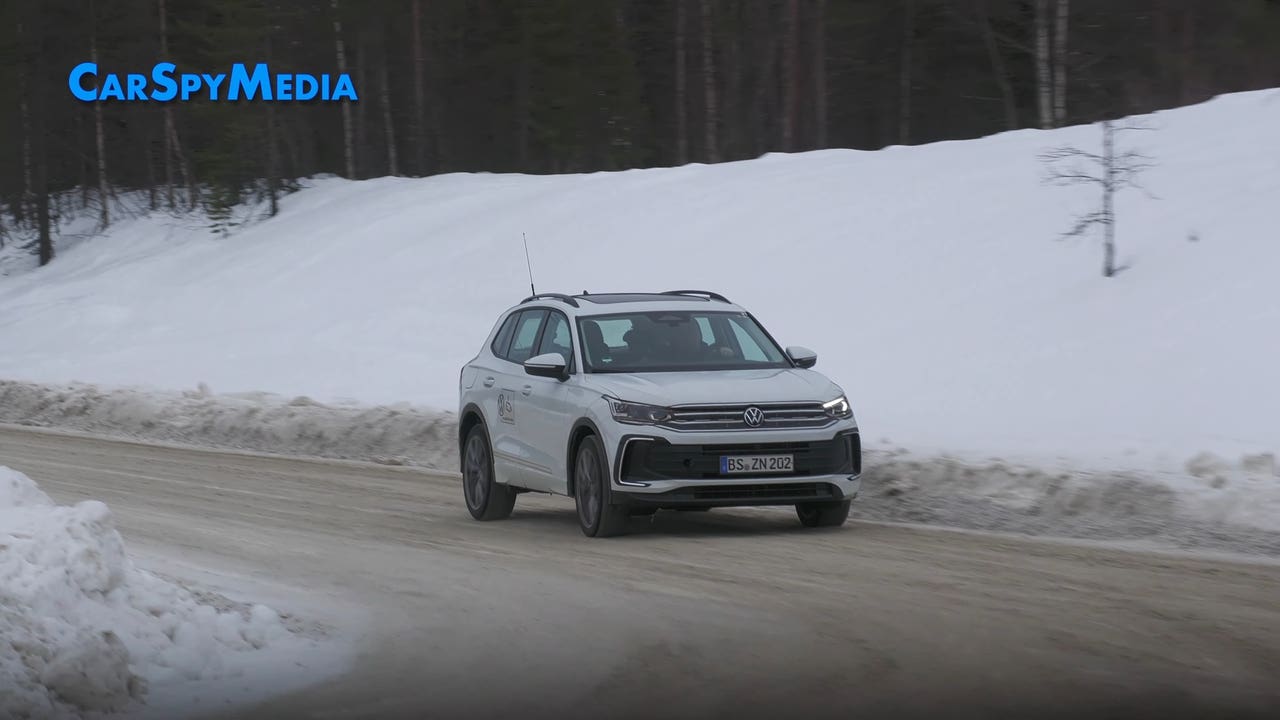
(802, 356)
(551, 365)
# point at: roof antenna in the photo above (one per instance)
(528, 263)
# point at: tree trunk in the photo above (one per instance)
(273, 145)
(681, 99)
(188, 179)
(790, 75)
(711, 116)
(1186, 56)
(1060, 63)
(348, 149)
(362, 152)
(153, 196)
(524, 90)
(1108, 199)
(820, 74)
(1044, 77)
(419, 91)
(42, 212)
(167, 126)
(34, 98)
(998, 67)
(23, 208)
(904, 77)
(104, 212)
(388, 126)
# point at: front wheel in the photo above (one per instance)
(486, 499)
(823, 514)
(596, 515)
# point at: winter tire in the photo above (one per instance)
(486, 499)
(596, 516)
(823, 514)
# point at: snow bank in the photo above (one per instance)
(83, 630)
(1213, 503)
(393, 434)
(1221, 505)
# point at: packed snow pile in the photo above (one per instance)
(399, 434)
(84, 631)
(1213, 503)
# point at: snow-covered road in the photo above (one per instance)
(724, 614)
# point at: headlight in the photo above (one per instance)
(838, 408)
(637, 413)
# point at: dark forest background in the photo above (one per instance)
(573, 85)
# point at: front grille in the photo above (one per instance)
(660, 460)
(730, 417)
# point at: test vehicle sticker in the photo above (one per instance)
(506, 406)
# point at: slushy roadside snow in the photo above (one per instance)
(84, 632)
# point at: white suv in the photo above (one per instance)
(633, 403)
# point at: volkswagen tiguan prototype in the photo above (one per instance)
(633, 403)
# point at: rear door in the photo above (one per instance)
(513, 455)
(480, 377)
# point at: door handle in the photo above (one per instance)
(527, 389)
(488, 382)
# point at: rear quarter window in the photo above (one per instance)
(502, 340)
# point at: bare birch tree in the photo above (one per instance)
(388, 125)
(711, 116)
(104, 212)
(904, 72)
(998, 69)
(790, 76)
(1111, 171)
(1044, 73)
(348, 149)
(1060, 62)
(820, 74)
(681, 99)
(419, 90)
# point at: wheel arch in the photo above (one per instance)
(471, 417)
(581, 429)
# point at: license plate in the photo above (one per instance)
(748, 464)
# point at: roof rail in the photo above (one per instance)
(551, 296)
(711, 295)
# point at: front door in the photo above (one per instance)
(551, 403)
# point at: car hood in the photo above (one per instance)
(716, 387)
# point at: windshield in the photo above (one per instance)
(676, 341)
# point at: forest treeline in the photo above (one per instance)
(555, 86)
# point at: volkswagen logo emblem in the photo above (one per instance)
(753, 417)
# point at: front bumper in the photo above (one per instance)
(683, 469)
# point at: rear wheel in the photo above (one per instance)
(486, 499)
(596, 515)
(823, 514)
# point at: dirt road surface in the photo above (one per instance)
(727, 614)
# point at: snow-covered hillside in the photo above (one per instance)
(929, 279)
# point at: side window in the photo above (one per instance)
(526, 335)
(556, 338)
(502, 340)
